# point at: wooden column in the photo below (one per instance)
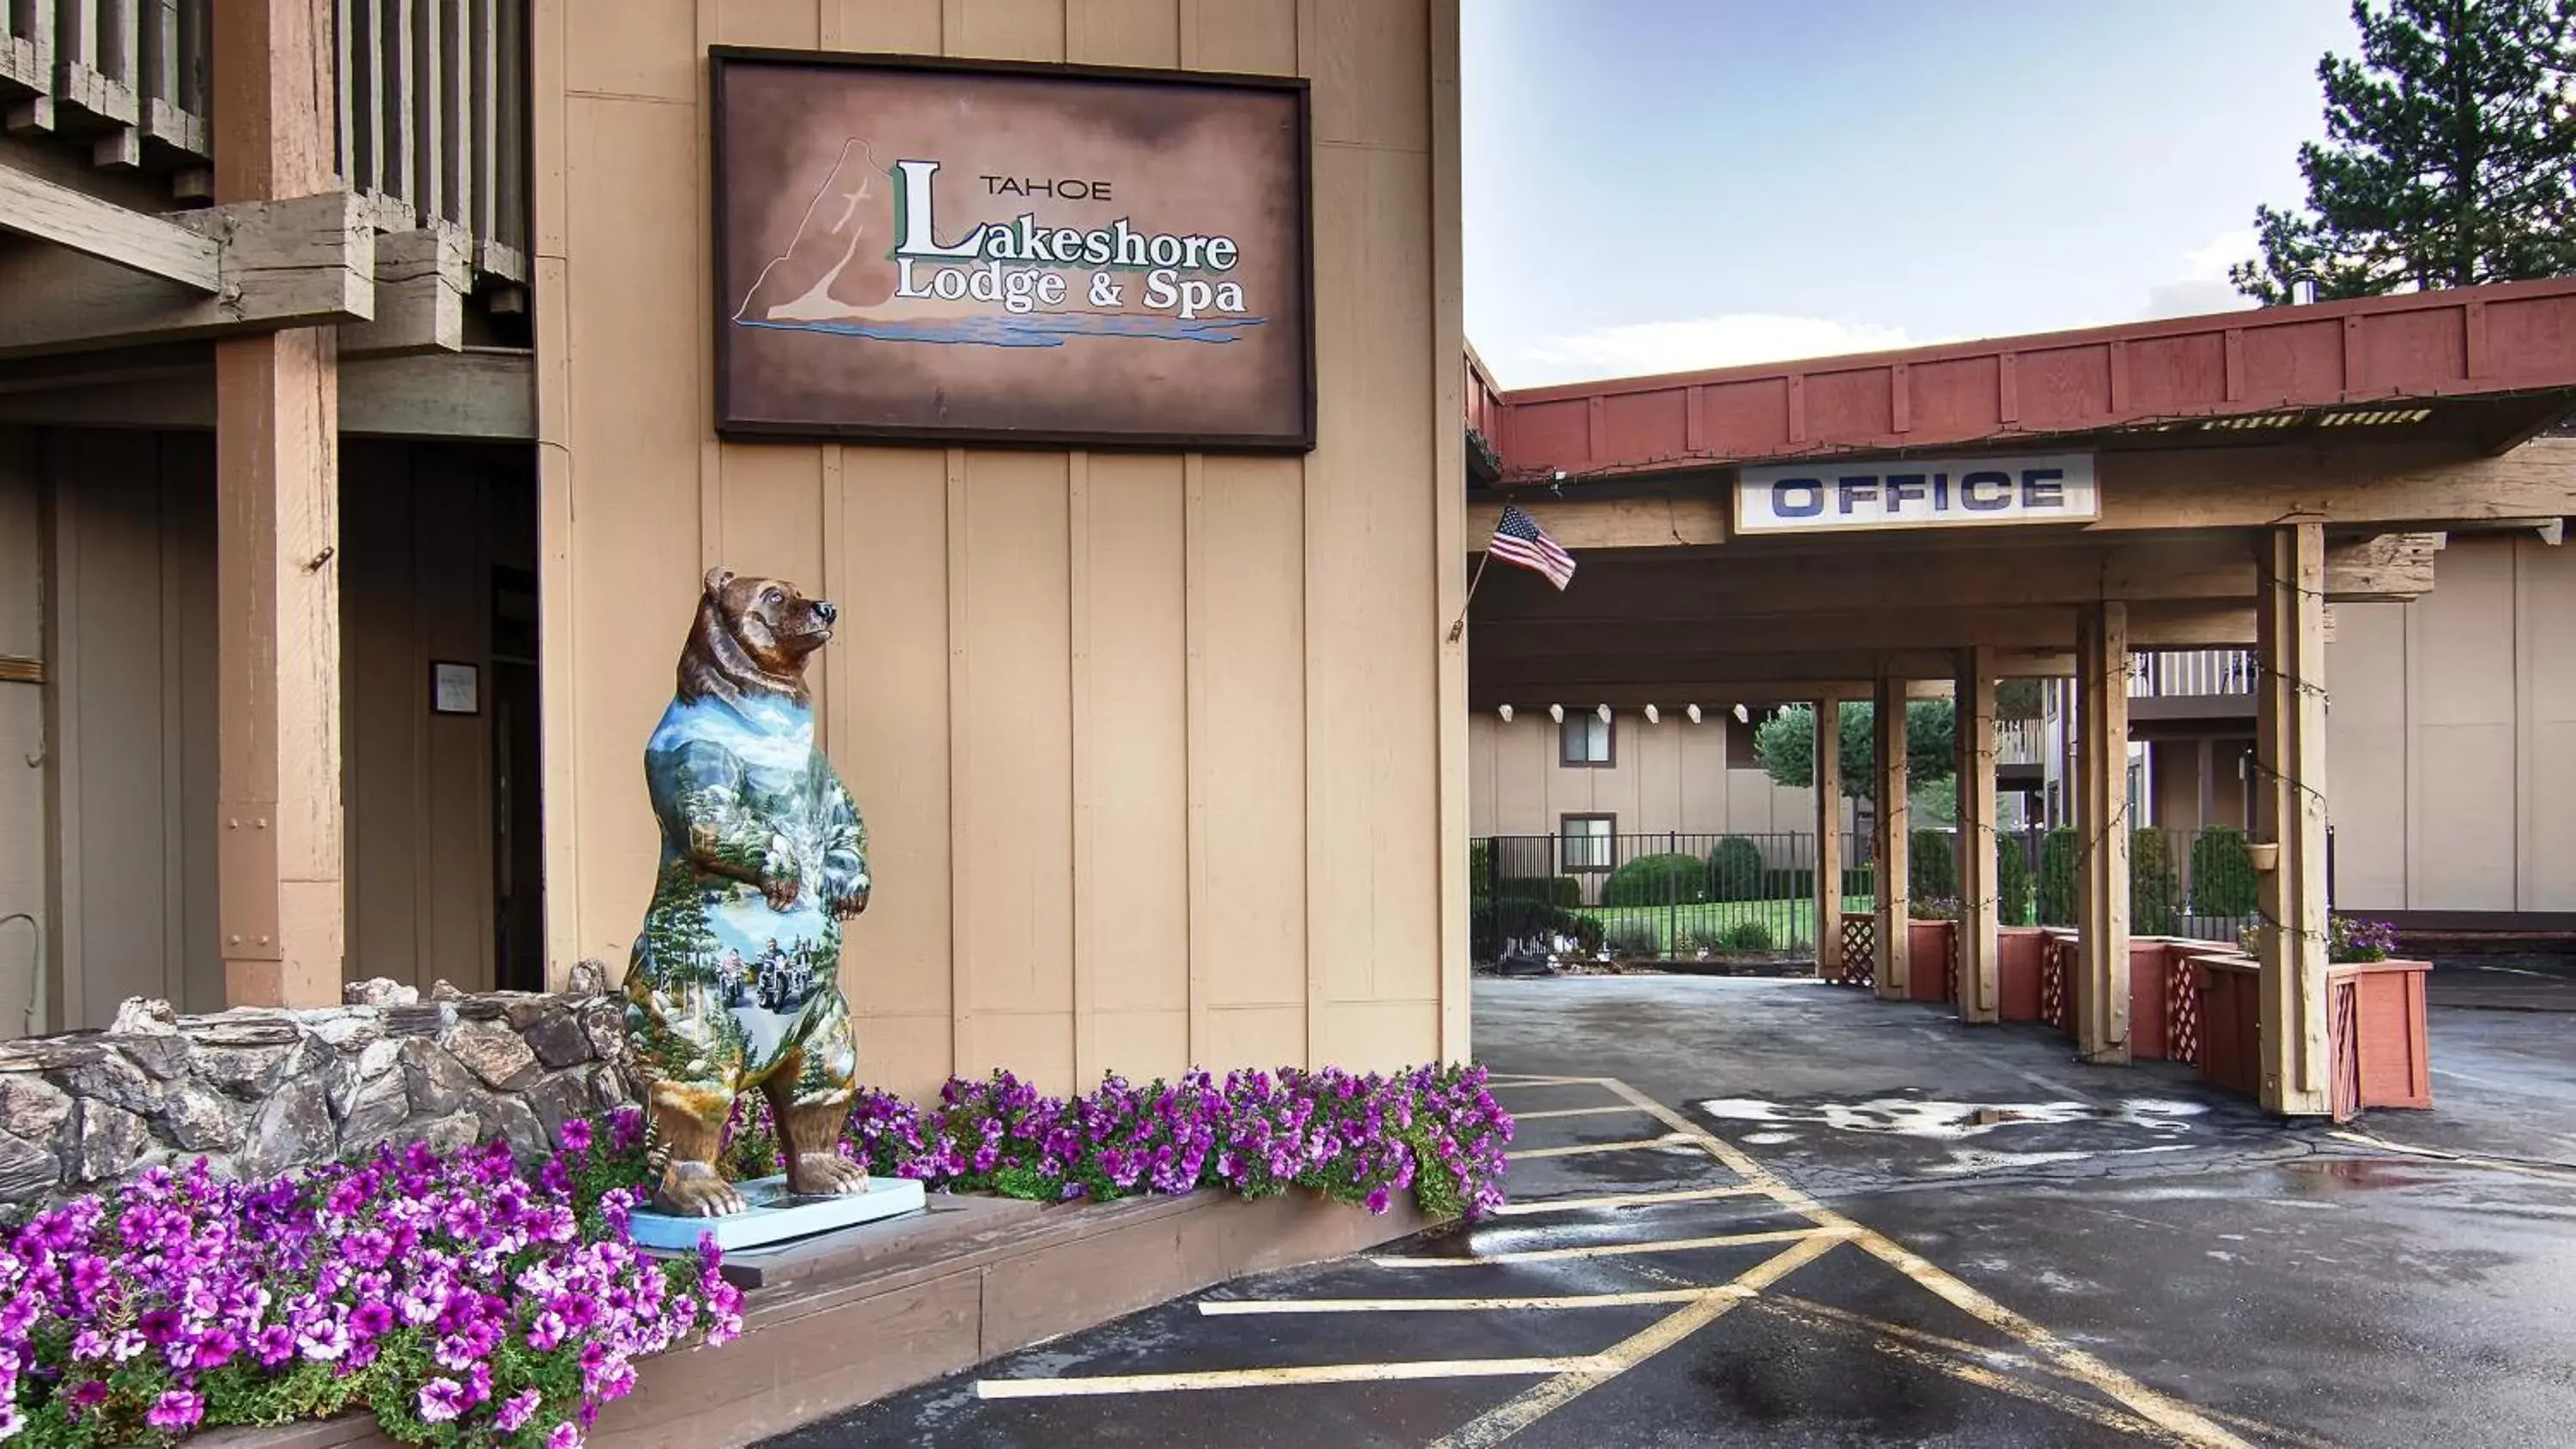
(1829, 837)
(2102, 827)
(1974, 716)
(1894, 835)
(277, 635)
(2290, 808)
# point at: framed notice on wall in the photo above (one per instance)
(925, 250)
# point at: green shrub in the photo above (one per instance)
(1701, 937)
(2012, 880)
(1931, 871)
(2223, 882)
(1480, 869)
(2155, 892)
(1735, 870)
(1492, 925)
(1786, 883)
(1632, 940)
(1932, 908)
(2057, 878)
(1556, 890)
(1657, 880)
(1748, 936)
(1860, 880)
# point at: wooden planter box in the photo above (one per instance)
(2375, 1030)
(1927, 962)
(2154, 964)
(2021, 956)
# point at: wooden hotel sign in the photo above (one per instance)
(1824, 497)
(911, 249)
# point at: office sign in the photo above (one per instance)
(924, 250)
(1827, 495)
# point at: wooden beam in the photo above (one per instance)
(280, 893)
(2390, 568)
(2389, 485)
(2172, 624)
(137, 241)
(303, 260)
(1828, 772)
(422, 280)
(2102, 826)
(1974, 724)
(486, 393)
(2290, 810)
(1892, 862)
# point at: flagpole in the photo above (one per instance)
(1458, 625)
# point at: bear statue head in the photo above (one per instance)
(752, 636)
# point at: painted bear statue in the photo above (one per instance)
(735, 982)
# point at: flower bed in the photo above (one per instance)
(465, 1299)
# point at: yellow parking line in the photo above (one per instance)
(1331, 1373)
(1234, 1307)
(1585, 1149)
(2169, 1414)
(1615, 1250)
(1571, 1112)
(1540, 1400)
(1622, 1199)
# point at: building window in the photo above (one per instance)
(1587, 841)
(1585, 740)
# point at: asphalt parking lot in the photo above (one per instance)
(1780, 1213)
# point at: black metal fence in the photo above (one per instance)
(1676, 895)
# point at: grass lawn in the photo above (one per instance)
(1792, 922)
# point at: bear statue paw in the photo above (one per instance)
(826, 1174)
(694, 1190)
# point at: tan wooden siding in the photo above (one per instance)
(1153, 747)
(25, 879)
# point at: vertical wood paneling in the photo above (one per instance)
(1123, 32)
(1009, 30)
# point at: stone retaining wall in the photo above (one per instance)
(259, 1091)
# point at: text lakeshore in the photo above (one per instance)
(1014, 263)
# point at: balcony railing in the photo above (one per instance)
(2191, 673)
(2021, 742)
(433, 103)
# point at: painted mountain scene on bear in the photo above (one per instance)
(1054, 256)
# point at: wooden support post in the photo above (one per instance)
(1829, 837)
(277, 635)
(2102, 827)
(2290, 808)
(1974, 716)
(1894, 835)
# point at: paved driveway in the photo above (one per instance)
(1773, 1212)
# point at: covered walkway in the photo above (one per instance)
(1879, 527)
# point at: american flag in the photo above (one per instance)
(1519, 540)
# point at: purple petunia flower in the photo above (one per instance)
(175, 1412)
(515, 1412)
(441, 1400)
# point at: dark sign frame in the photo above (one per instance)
(724, 59)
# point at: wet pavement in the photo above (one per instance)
(1773, 1212)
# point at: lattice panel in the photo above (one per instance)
(1950, 967)
(2182, 1013)
(2057, 987)
(1860, 952)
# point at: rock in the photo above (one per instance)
(588, 978)
(111, 1077)
(50, 1053)
(603, 1020)
(416, 1020)
(138, 1016)
(436, 1082)
(375, 1113)
(32, 1108)
(611, 1086)
(451, 1133)
(249, 1028)
(558, 1039)
(27, 1170)
(249, 1073)
(349, 1074)
(509, 1119)
(293, 1129)
(560, 1098)
(165, 1057)
(494, 1053)
(348, 1030)
(379, 991)
(444, 990)
(200, 1119)
(110, 1139)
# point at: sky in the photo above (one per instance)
(1660, 185)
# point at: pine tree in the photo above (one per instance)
(2447, 155)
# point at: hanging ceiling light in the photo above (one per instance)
(1652, 717)
(1505, 711)
(1604, 712)
(1556, 712)
(1743, 715)
(1693, 711)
